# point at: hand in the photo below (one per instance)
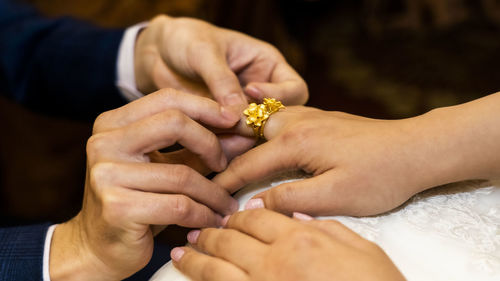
(130, 196)
(263, 245)
(197, 57)
(359, 166)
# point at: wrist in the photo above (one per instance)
(473, 138)
(70, 258)
(456, 144)
(147, 54)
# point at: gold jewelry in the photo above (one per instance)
(257, 114)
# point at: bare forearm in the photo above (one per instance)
(465, 139)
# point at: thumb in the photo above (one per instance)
(309, 196)
(222, 82)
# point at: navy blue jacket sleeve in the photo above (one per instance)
(57, 66)
(21, 252)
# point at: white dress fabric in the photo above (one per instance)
(446, 233)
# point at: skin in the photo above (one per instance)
(131, 196)
(363, 166)
(276, 247)
(132, 190)
(196, 57)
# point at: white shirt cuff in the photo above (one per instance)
(46, 252)
(125, 63)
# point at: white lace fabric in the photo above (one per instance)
(446, 233)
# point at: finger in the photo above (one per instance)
(229, 244)
(160, 131)
(337, 231)
(198, 108)
(285, 85)
(290, 92)
(311, 196)
(211, 64)
(166, 179)
(200, 267)
(129, 207)
(182, 157)
(262, 224)
(234, 145)
(256, 164)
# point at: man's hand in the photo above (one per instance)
(130, 196)
(197, 57)
(263, 245)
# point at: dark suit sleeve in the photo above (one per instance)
(21, 252)
(57, 66)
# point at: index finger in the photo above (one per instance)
(210, 62)
(262, 224)
(198, 108)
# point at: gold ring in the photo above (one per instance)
(257, 114)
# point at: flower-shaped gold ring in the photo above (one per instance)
(257, 114)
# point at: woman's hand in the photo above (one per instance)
(194, 56)
(263, 245)
(359, 166)
(363, 166)
(129, 196)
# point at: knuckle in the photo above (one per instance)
(112, 206)
(303, 238)
(209, 270)
(216, 241)
(183, 175)
(175, 117)
(273, 50)
(96, 143)
(279, 197)
(159, 19)
(165, 94)
(301, 133)
(249, 216)
(102, 173)
(213, 145)
(204, 45)
(100, 121)
(181, 207)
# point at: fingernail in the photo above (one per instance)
(193, 235)
(234, 99)
(254, 92)
(254, 204)
(225, 220)
(302, 217)
(177, 253)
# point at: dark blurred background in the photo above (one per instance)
(377, 58)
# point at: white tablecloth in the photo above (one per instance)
(447, 233)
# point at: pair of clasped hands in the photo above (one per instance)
(359, 166)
